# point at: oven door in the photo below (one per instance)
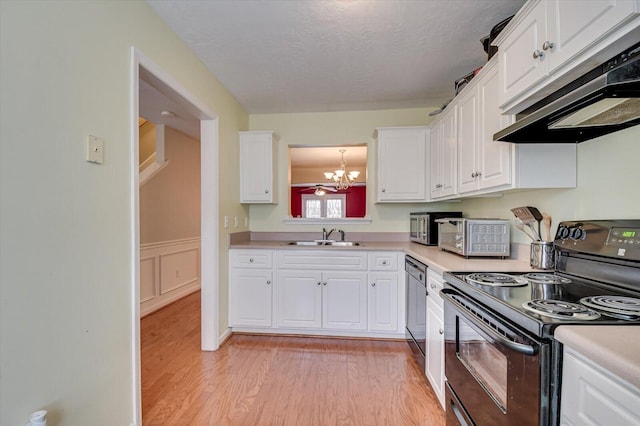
(493, 370)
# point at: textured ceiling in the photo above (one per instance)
(336, 55)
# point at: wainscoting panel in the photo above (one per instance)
(169, 270)
(147, 278)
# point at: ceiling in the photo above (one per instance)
(336, 55)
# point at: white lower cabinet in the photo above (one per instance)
(339, 292)
(250, 295)
(383, 301)
(314, 299)
(435, 335)
(592, 395)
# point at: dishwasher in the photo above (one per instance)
(416, 307)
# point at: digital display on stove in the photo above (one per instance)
(628, 234)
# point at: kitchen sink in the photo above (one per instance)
(324, 243)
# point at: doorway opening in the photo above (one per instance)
(145, 70)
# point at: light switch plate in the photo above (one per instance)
(95, 149)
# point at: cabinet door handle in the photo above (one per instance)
(384, 190)
(373, 284)
(538, 54)
(441, 331)
(251, 260)
(547, 45)
(473, 175)
(433, 286)
(319, 282)
(384, 262)
(324, 283)
(439, 186)
(478, 174)
(268, 282)
(266, 191)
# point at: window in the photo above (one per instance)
(329, 206)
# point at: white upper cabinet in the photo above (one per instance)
(257, 167)
(402, 164)
(482, 162)
(549, 38)
(443, 153)
(486, 166)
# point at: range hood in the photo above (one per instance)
(604, 100)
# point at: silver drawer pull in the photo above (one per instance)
(384, 262)
(251, 260)
(373, 284)
(538, 54)
(266, 191)
(441, 331)
(547, 45)
(319, 283)
(268, 282)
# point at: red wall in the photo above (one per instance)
(356, 201)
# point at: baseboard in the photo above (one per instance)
(224, 336)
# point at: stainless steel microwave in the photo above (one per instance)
(423, 227)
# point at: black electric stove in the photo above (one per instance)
(596, 282)
(502, 362)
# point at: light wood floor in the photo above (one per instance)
(270, 380)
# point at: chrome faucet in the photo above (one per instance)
(325, 234)
(341, 234)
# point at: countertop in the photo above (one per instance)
(615, 348)
(433, 257)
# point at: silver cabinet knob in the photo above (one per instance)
(441, 331)
(373, 284)
(547, 45)
(268, 282)
(251, 260)
(433, 286)
(319, 282)
(478, 174)
(384, 262)
(266, 191)
(384, 190)
(439, 186)
(324, 283)
(538, 54)
(473, 175)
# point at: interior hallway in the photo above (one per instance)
(271, 380)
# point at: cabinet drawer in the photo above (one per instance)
(251, 258)
(435, 283)
(322, 259)
(383, 261)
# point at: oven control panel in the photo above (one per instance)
(613, 238)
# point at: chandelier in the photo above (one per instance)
(340, 178)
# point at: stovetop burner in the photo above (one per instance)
(560, 309)
(496, 279)
(615, 306)
(545, 278)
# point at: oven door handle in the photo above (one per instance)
(490, 332)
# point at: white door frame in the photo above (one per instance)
(208, 208)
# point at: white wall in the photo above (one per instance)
(66, 261)
(337, 128)
(170, 201)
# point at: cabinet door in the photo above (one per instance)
(402, 164)
(448, 150)
(435, 348)
(519, 70)
(299, 299)
(344, 304)
(383, 301)
(467, 141)
(494, 161)
(256, 167)
(573, 25)
(250, 297)
(435, 160)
